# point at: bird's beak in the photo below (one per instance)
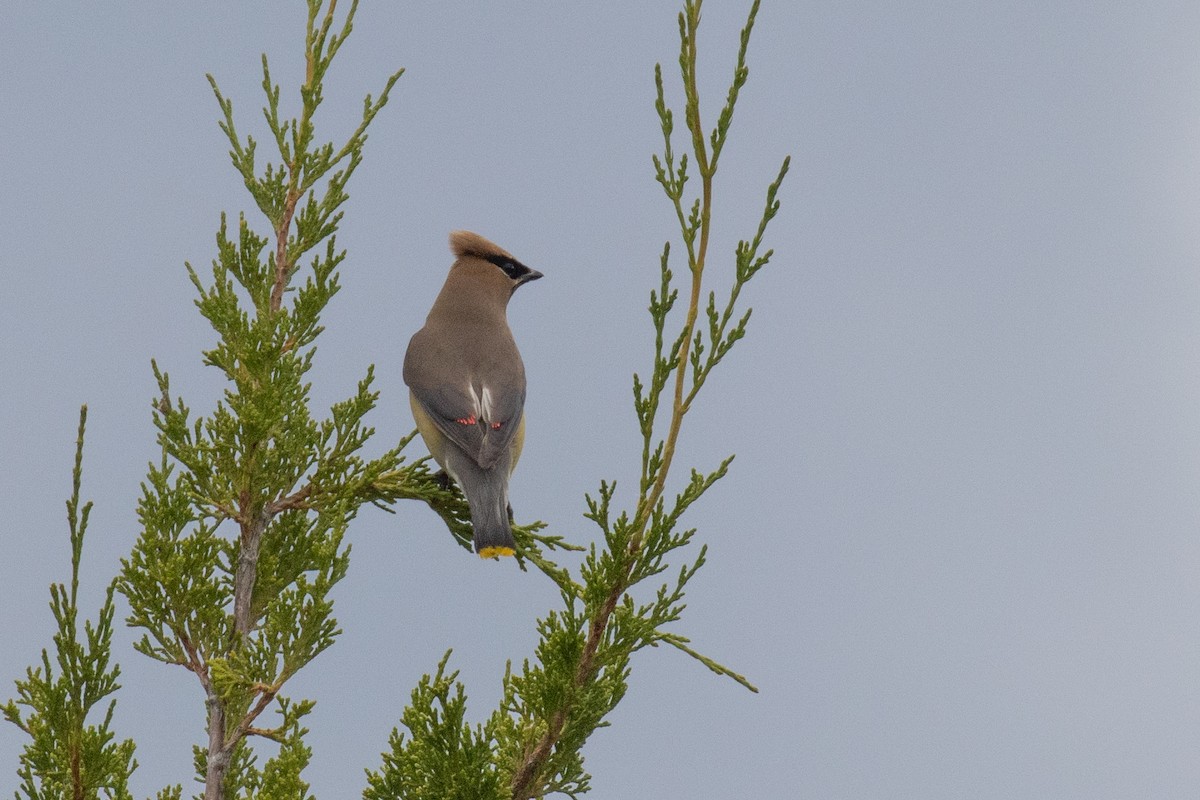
(532, 275)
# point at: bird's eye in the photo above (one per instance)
(512, 268)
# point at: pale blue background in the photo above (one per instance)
(959, 548)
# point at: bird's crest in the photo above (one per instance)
(466, 243)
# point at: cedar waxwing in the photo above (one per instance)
(467, 384)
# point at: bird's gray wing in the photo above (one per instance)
(503, 421)
(482, 430)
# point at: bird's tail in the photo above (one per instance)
(487, 495)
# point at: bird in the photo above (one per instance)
(466, 384)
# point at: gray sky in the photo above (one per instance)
(958, 550)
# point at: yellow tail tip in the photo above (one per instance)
(499, 550)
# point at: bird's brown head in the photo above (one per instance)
(489, 263)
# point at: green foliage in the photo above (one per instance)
(67, 756)
(559, 703)
(280, 777)
(442, 757)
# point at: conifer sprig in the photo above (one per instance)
(69, 756)
(611, 625)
